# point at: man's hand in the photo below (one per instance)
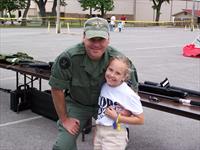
(72, 125)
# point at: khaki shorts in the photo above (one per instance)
(107, 138)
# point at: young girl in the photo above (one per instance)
(119, 105)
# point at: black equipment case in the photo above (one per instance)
(20, 98)
(42, 104)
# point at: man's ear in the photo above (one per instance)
(83, 36)
(83, 39)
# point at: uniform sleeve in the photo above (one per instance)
(61, 72)
(134, 78)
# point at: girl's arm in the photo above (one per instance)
(132, 119)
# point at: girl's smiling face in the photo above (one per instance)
(116, 72)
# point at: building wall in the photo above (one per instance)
(145, 12)
(121, 7)
(33, 10)
(73, 6)
(134, 9)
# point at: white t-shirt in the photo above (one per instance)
(113, 96)
(112, 20)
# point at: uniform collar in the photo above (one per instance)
(102, 65)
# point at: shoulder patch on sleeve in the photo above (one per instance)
(64, 62)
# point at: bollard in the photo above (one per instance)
(192, 27)
(60, 27)
(185, 27)
(48, 27)
(198, 27)
(68, 31)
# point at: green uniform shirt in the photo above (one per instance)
(83, 78)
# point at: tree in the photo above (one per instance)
(25, 13)
(100, 5)
(12, 5)
(104, 6)
(157, 6)
(41, 5)
(88, 4)
(53, 10)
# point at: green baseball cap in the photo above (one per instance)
(96, 27)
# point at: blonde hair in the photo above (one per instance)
(126, 61)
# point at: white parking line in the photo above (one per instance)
(20, 121)
(8, 78)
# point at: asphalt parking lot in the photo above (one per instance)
(156, 53)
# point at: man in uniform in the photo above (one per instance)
(79, 72)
